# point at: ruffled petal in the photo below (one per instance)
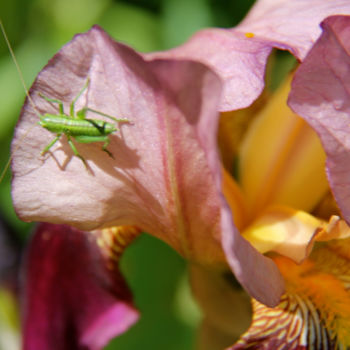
(238, 60)
(291, 232)
(239, 55)
(291, 25)
(75, 296)
(321, 94)
(165, 176)
(284, 230)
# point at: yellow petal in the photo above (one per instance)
(286, 231)
(281, 160)
(232, 127)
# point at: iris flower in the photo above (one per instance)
(166, 177)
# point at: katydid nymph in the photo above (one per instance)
(75, 125)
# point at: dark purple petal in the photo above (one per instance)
(72, 300)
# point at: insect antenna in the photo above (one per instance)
(26, 92)
(18, 68)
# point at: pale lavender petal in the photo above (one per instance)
(71, 299)
(321, 94)
(292, 25)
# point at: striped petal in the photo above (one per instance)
(293, 325)
(315, 311)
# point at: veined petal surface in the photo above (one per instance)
(160, 177)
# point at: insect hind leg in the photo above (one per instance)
(75, 151)
(119, 120)
(50, 144)
(104, 147)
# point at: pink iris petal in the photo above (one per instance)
(71, 299)
(321, 94)
(239, 61)
(293, 25)
(165, 176)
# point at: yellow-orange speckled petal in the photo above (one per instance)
(314, 313)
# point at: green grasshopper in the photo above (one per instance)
(75, 124)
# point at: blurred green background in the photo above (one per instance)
(36, 30)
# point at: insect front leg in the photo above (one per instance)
(80, 114)
(52, 100)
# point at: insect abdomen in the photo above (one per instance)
(61, 124)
